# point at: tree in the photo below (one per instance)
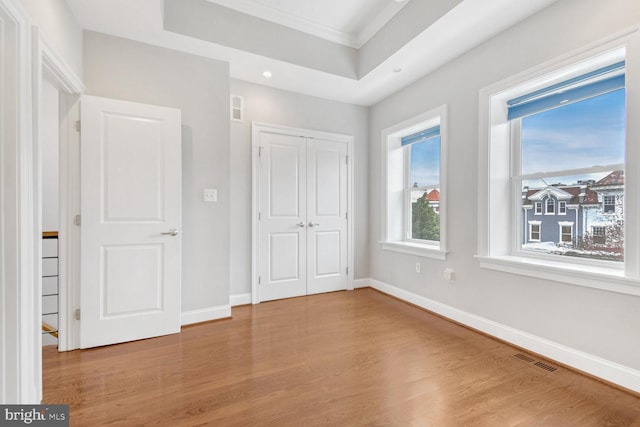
(425, 222)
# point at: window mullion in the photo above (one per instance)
(407, 193)
(517, 212)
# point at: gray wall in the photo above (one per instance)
(275, 106)
(123, 69)
(217, 24)
(602, 323)
(56, 22)
(412, 20)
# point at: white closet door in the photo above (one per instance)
(303, 197)
(283, 236)
(326, 216)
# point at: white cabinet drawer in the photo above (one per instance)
(50, 285)
(50, 304)
(49, 267)
(49, 248)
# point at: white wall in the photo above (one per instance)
(267, 105)
(50, 158)
(597, 322)
(59, 27)
(199, 87)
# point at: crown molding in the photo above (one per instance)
(354, 40)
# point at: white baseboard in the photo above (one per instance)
(240, 299)
(205, 314)
(362, 283)
(607, 370)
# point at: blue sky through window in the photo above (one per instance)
(425, 163)
(579, 135)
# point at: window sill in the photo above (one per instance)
(609, 279)
(415, 249)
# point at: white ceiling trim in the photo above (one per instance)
(354, 40)
(378, 22)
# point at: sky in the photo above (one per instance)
(425, 163)
(578, 135)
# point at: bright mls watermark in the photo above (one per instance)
(37, 415)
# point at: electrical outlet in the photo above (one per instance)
(418, 267)
(210, 195)
(449, 275)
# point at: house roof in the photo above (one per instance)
(432, 196)
(614, 178)
(573, 195)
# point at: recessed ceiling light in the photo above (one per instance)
(397, 70)
(399, 1)
(267, 74)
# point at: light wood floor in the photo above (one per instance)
(340, 359)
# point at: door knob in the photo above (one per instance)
(171, 232)
(313, 224)
(300, 224)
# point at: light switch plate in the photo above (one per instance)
(210, 195)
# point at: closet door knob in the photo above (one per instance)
(173, 232)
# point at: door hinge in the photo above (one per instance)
(259, 216)
(346, 216)
(78, 126)
(76, 314)
(260, 151)
(347, 160)
(77, 220)
(347, 271)
(259, 280)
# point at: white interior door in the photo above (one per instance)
(326, 216)
(283, 235)
(302, 200)
(131, 217)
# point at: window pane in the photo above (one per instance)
(425, 163)
(592, 204)
(425, 214)
(578, 135)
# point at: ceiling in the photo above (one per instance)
(347, 22)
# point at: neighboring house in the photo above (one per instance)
(588, 212)
(432, 196)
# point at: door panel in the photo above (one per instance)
(285, 257)
(282, 234)
(130, 198)
(284, 179)
(328, 244)
(131, 284)
(327, 216)
(133, 176)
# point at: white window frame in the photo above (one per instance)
(550, 201)
(604, 204)
(565, 224)
(395, 206)
(497, 244)
(600, 228)
(531, 225)
(537, 210)
(562, 207)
